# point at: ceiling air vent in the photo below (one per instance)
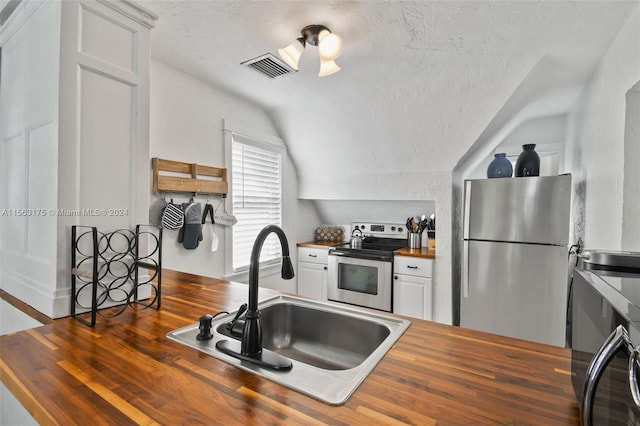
(269, 66)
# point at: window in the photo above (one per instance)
(256, 187)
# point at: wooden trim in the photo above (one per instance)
(190, 182)
(26, 309)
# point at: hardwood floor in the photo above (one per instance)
(13, 320)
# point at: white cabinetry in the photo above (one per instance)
(312, 272)
(412, 286)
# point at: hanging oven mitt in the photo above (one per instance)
(172, 216)
(208, 210)
(191, 233)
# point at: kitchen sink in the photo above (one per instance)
(333, 347)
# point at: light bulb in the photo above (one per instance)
(329, 45)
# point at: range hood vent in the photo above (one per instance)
(269, 66)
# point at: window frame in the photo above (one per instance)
(262, 141)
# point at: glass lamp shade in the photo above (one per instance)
(328, 68)
(291, 54)
(329, 45)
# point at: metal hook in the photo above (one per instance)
(218, 205)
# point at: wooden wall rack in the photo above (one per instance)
(185, 178)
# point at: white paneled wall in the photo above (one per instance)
(74, 115)
(28, 149)
(104, 162)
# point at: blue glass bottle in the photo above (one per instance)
(500, 167)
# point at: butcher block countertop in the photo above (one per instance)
(321, 244)
(421, 252)
(125, 371)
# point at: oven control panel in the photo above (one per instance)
(385, 230)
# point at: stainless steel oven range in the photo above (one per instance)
(361, 274)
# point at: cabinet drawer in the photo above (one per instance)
(313, 255)
(415, 266)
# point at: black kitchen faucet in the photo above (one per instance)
(250, 348)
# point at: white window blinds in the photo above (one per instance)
(257, 199)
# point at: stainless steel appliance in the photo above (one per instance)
(604, 329)
(362, 274)
(514, 267)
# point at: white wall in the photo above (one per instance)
(595, 147)
(28, 153)
(548, 133)
(187, 125)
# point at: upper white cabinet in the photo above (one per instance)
(412, 286)
(312, 272)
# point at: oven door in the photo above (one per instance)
(362, 282)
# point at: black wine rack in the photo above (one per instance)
(105, 271)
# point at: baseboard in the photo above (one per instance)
(23, 307)
(28, 290)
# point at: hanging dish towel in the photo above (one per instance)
(191, 233)
(208, 210)
(156, 211)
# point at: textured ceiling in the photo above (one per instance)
(420, 80)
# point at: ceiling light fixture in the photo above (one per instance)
(329, 48)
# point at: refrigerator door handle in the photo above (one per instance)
(465, 269)
(618, 340)
(634, 363)
(467, 206)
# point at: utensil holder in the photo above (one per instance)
(415, 240)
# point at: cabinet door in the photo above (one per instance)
(312, 280)
(412, 296)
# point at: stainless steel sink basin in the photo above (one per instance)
(333, 347)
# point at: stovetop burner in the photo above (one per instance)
(382, 244)
(380, 241)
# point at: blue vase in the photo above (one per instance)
(500, 167)
(528, 163)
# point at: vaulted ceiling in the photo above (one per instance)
(420, 82)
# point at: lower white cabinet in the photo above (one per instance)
(312, 272)
(412, 286)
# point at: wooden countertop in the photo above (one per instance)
(125, 371)
(421, 252)
(321, 244)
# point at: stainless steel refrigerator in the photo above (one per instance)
(515, 249)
